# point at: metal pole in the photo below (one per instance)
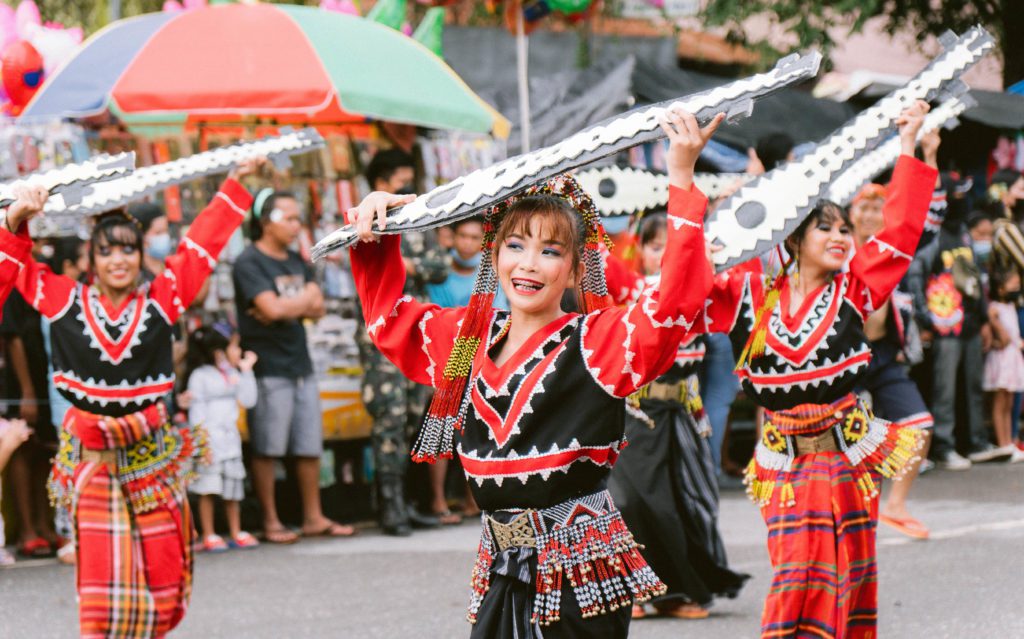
(115, 10)
(522, 59)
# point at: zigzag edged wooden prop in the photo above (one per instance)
(466, 195)
(763, 212)
(618, 190)
(72, 181)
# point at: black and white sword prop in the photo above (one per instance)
(763, 212)
(63, 217)
(619, 190)
(466, 195)
(845, 187)
(72, 181)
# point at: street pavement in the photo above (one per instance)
(967, 581)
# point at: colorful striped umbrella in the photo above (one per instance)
(292, 63)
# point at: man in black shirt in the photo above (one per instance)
(274, 293)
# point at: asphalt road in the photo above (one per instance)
(967, 581)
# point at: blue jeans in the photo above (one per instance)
(718, 388)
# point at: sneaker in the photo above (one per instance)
(954, 461)
(6, 558)
(243, 540)
(1017, 456)
(991, 453)
(214, 544)
(926, 465)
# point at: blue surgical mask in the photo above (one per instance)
(472, 262)
(159, 246)
(614, 225)
(982, 248)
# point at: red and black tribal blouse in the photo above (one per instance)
(816, 355)
(548, 424)
(115, 361)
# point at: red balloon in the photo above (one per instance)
(22, 73)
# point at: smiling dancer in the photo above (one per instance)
(816, 470)
(535, 397)
(121, 462)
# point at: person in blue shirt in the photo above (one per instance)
(466, 251)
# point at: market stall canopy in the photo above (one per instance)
(296, 64)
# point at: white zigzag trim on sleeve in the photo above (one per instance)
(678, 222)
(234, 207)
(883, 247)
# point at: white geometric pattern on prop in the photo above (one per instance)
(763, 212)
(618, 190)
(464, 196)
(845, 187)
(64, 217)
(72, 180)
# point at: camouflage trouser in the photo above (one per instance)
(395, 404)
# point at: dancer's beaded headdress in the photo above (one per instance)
(448, 408)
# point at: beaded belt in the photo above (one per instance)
(100, 456)
(655, 390)
(519, 532)
(820, 443)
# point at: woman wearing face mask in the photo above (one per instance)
(802, 349)
(121, 462)
(156, 237)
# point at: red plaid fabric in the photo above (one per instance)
(134, 569)
(823, 552)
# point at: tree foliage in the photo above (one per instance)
(814, 22)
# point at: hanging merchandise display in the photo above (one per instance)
(40, 147)
(72, 180)
(447, 155)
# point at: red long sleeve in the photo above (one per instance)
(416, 337)
(627, 347)
(880, 264)
(197, 254)
(15, 253)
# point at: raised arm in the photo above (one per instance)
(48, 293)
(882, 261)
(625, 348)
(416, 337)
(197, 254)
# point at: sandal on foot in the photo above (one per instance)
(332, 529)
(684, 611)
(66, 554)
(281, 536)
(447, 517)
(35, 548)
(243, 540)
(6, 558)
(907, 525)
(214, 544)
(638, 611)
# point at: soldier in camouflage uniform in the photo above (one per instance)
(396, 404)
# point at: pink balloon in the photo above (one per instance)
(194, 4)
(26, 14)
(329, 5)
(172, 6)
(347, 6)
(407, 29)
(8, 26)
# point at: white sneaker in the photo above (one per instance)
(1017, 456)
(992, 453)
(954, 461)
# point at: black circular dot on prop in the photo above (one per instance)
(751, 214)
(606, 187)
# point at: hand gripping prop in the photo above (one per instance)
(464, 196)
(763, 212)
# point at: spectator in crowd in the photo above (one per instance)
(220, 379)
(980, 228)
(1004, 363)
(949, 305)
(156, 236)
(13, 433)
(29, 467)
(274, 293)
(396, 404)
(771, 150)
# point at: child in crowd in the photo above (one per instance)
(1004, 363)
(13, 433)
(220, 378)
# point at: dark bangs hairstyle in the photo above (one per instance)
(115, 228)
(651, 226)
(203, 343)
(825, 211)
(558, 221)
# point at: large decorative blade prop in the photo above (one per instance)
(845, 187)
(762, 213)
(462, 197)
(71, 180)
(63, 217)
(618, 190)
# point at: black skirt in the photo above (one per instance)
(664, 484)
(506, 608)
